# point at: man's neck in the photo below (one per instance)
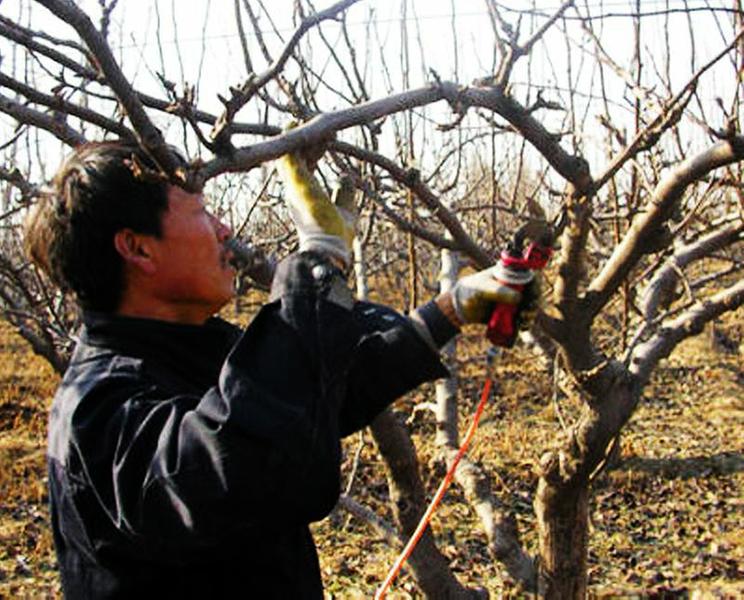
(174, 313)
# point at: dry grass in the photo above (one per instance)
(666, 522)
(27, 383)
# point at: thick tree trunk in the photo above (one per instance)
(562, 516)
(562, 498)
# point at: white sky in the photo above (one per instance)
(205, 34)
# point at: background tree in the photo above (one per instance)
(632, 150)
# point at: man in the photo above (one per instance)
(187, 457)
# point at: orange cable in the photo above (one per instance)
(424, 522)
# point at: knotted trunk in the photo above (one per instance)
(562, 516)
(562, 499)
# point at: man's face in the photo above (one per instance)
(193, 274)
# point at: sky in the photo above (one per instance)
(197, 42)
(205, 33)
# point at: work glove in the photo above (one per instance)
(474, 297)
(323, 225)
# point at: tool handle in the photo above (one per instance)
(502, 328)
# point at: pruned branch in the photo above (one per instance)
(317, 131)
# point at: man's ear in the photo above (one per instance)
(136, 250)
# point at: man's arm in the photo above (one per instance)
(395, 354)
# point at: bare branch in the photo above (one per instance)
(382, 527)
(241, 96)
(50, 123)
(515, 51)
(318, 130)
(412, 180)
(666, 118)
(527, 46)
(408, 226)
(573, 168)
(241, 36)
(647, 225)
(639, 92)
(661, 287)
(647, 355)
(106, 11)
(16, 178)
(149, 136)
(25, 37)
(62, 107)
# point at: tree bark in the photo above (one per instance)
(562, 515)
(408, 499)
(562, 497)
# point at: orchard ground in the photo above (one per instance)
(667, 520)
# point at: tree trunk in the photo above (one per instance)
(408, 499)
(562, 516)
(562, 498)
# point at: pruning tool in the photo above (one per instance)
(251, 261)
(515, 269)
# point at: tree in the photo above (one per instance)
(626, 154)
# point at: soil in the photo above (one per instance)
(666, 518)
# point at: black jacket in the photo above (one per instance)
(188, 461)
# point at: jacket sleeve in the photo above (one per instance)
(390, 358)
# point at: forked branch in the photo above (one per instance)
(658, 209)
(661, 287)
(148, 135)
(648, 354)
(242, 95)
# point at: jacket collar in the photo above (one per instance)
(195, 351)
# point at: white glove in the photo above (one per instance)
(475, 296)
(322, 225)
